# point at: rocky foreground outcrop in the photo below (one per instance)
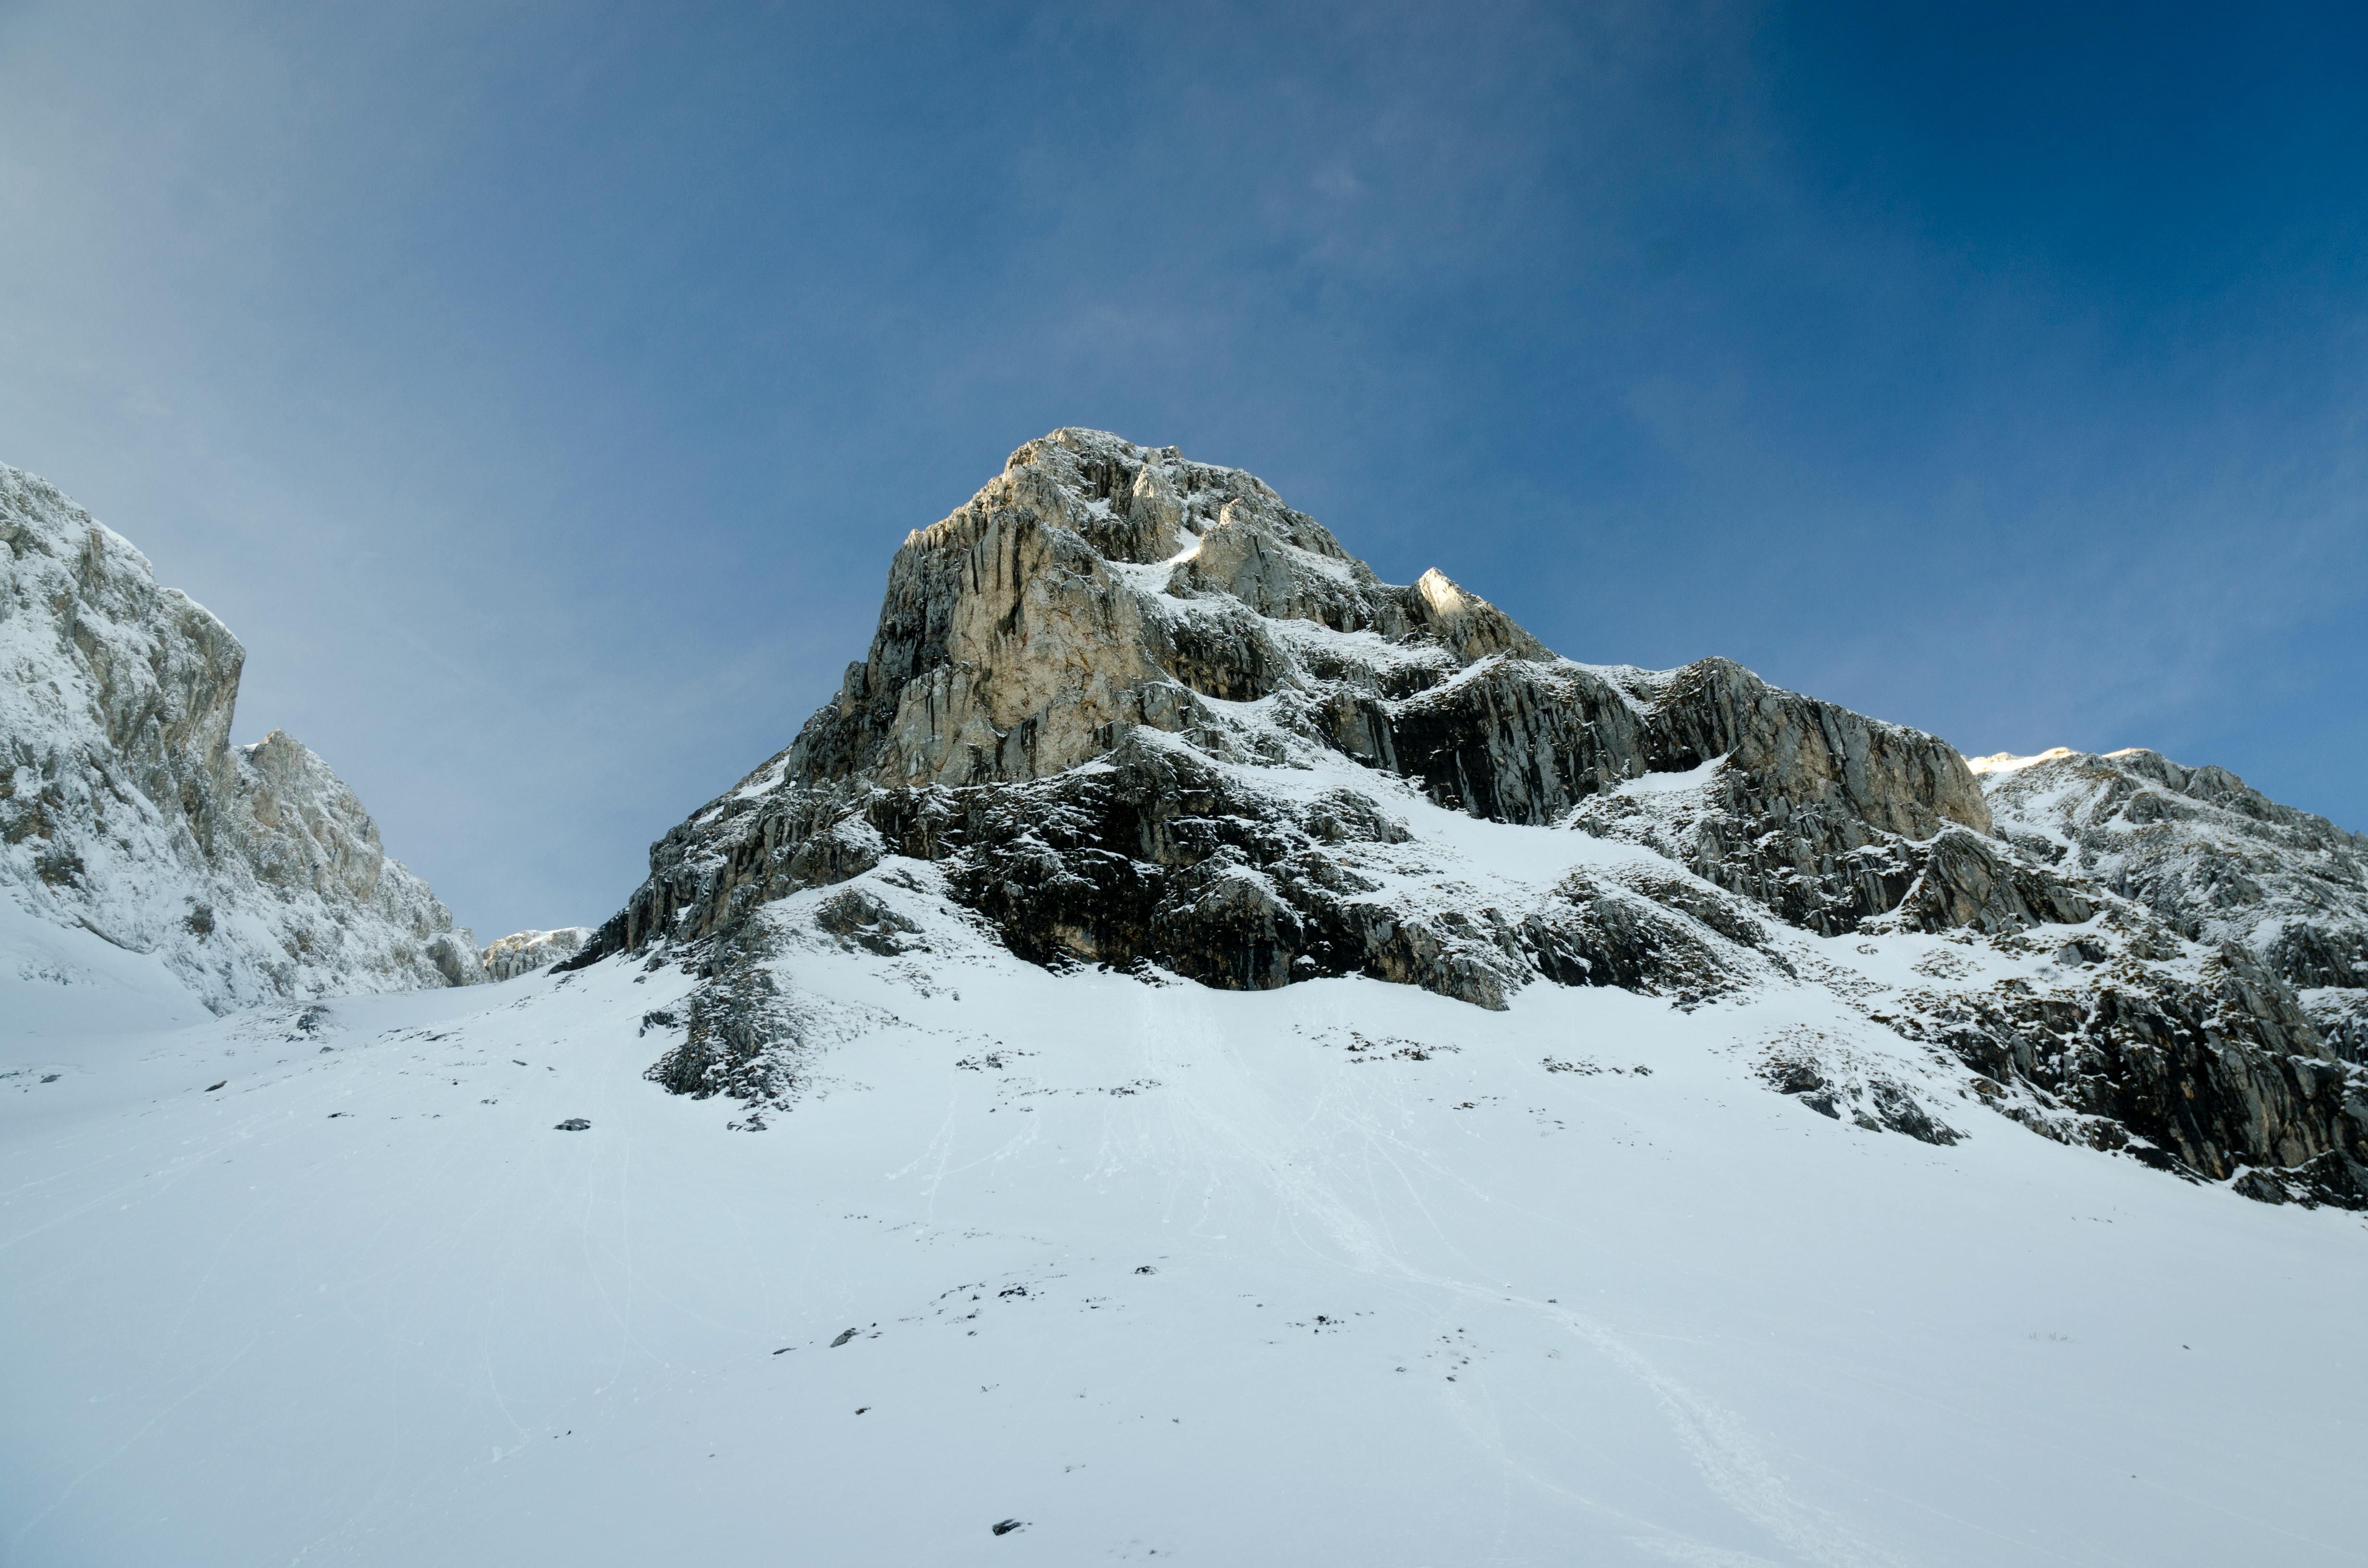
(1134, 710)
(253, 872)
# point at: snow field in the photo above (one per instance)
(1415, 1299)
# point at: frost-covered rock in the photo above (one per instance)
(523, 952)
(252, 872)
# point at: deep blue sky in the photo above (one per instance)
(540, 391)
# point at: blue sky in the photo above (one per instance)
(540, 391)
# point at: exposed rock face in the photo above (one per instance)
(253, 872)
(1096, 585)
(1097, 589)
(2210, 1068)
(523, 952)
(1134, 710)
(1156, 855)
(2218, 862)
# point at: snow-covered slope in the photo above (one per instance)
(1200, 1054)
(1343, 1272)
(249, 872)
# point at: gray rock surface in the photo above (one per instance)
(252, 872)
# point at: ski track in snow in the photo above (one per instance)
(1233, 1117)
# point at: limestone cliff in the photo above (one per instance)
(1096, 588)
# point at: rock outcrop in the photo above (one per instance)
(2219, 862)
(251, 872)
(523, 952)
(1134, 710)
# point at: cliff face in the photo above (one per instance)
(1135, 711)
(252, 872)
(1094, 586)
(1096, 590)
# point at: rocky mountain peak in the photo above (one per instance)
(1128, 710)
(1094, 586)
(1097, 593)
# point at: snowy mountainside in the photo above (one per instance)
(1139, 1269)
(1142, 715)
(2218, 860)
(247, 873)
(1198, 1054)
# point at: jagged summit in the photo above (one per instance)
(1130, 711)
(251, 872)
(1096, 585)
